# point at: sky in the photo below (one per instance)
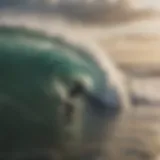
(137, 4)
(142, 4)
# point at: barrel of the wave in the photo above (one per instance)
(56, 98)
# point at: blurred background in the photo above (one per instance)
(129, 30)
